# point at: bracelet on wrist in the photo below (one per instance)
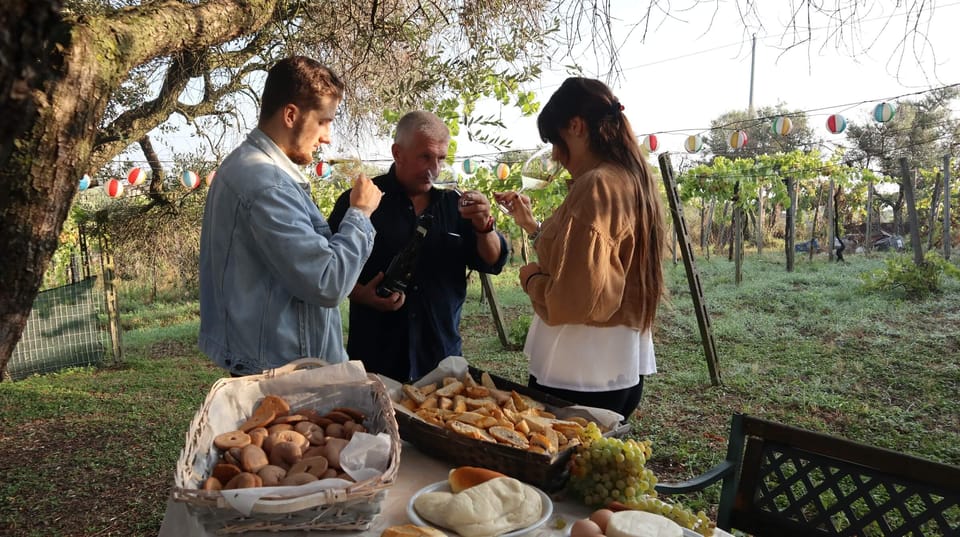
(526, 282)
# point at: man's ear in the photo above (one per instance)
(395, 151)
(290, 113)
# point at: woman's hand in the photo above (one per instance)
(518, 206)
(526, 272)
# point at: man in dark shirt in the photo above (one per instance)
(404, 335)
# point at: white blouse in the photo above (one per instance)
(588, 358)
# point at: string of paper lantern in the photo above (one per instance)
(781, 125)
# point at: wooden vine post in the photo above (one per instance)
(737, 235)
(831, 215)
(790, 232)
(813, 225)
(869, 238)
(946, 207)
(908, 194)
(693, 277)
(110, 294)
(491, 297)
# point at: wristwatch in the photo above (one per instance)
(535, 234)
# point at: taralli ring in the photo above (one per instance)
(232, 439)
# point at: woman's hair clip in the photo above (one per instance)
(616, 107)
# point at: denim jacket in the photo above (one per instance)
(272, 275)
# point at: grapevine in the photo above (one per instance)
(605, 470)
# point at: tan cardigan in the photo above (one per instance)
(588, 251)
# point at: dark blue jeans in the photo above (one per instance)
(623, 401)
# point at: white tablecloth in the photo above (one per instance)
(416, 471)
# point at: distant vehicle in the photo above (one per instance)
(805, 246)
(888, 242)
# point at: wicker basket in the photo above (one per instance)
(542, 471)
(303, 385)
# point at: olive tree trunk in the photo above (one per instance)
(52, 112)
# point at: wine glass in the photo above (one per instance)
(347, 166)
(447, 178)
(537, 172)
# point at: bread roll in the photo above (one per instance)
(641, 524)
(410, 530)
(465, 477)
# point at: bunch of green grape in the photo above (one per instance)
(605, 470)
(683, 516)
(611, 469)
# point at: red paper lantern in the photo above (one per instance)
(136, 176)
(651, 143)
(114, 188)
(190, 179)
(324, 169)
(836, 123)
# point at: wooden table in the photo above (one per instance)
(417, 470)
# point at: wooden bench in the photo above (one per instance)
(784, 481)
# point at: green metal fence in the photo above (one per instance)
(66, 328)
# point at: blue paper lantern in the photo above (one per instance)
(884, 112)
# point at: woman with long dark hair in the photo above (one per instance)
(598, 277)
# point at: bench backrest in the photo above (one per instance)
(794, 482)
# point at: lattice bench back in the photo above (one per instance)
(795, 482)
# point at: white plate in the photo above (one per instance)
(444, 486)
(686, 532)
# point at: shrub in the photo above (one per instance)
(519, 329)
(915, 280)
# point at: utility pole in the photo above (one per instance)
(737, 208)
(753, 62)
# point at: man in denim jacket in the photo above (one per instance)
(272, 275)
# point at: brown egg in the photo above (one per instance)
(585, 528)
(601, 517)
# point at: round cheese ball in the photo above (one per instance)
(641, 524)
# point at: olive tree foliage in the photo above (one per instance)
(89, 78)
(81, 80)
(760, 136)
(922, 131)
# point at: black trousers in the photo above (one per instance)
(623, 401)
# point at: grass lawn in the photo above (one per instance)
(92, 451)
